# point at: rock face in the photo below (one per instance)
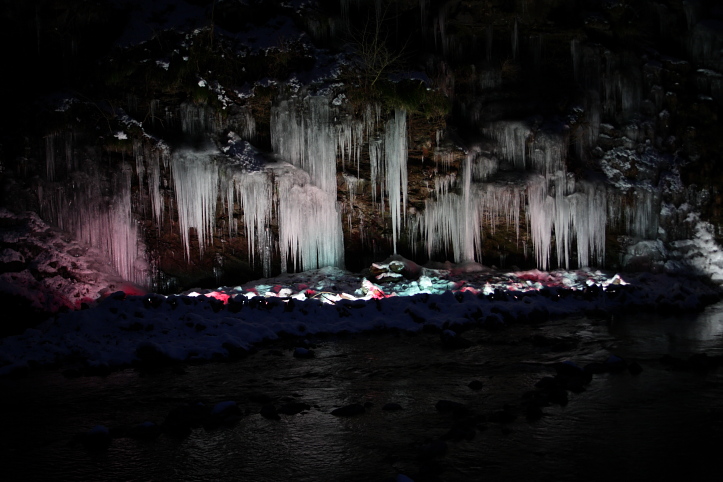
(535, 134)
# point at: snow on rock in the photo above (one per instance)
(51, 270)
(210, 324)
(702, 252)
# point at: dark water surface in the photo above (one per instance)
(661, 424)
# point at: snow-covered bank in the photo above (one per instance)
(217, 324)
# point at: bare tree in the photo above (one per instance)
(374, 57)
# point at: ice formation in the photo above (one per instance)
(195, 178)
(310, 233)
(395, 175)
(302, 134)
(80, 207)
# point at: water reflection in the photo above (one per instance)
(622, 426)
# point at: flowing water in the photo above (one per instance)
(654, 425)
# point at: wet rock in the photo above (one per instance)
(460, 431)
(433, 448)
(506, 415)
(634, 368)
(181, 420)
(349, 410)
(269, 411)
(533, 412)
(449, 406)
(261, 398)
(97, 438)
(701, 362)
(558, 396)
(301, 352)
(450, 339)
(595, 368)
(150, 355)
(223, 413)
(567, 368)
(475, 385)
(547, 383)
(145, 431)
(235, 351)
(392, 407)
(615, 364)
(293, 408)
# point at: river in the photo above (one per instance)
(660, 423)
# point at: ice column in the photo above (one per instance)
(83, 207)
(302, 134)
(195, 177)
(310, 233)
(395, 176)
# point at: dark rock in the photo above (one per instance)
(269, 411)
(460, 431)
(634, 368)
(448, 406)
(615, 364)
(293, 408)
(533, 412)
(700, 362)
(145, 431)
(301, 352)
(392, 407)
(150, 355)
(558, 396)
(434, 448)
(97, 438)
(181, 420)
(547, 383)
(349, 410)
(506, 415)
(475, 385)
(567, 368)
(235, 352)
(450, 339)
(261, 398)
(595, 368)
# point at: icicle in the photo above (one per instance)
(483, 167)
(423, 6)
(301, 133)
(353, 185)
(310, 232)
(576, 54)
(512, 139)
(248, 130)
(70, 162)
(500, 201)
(515, 40)
(490, 79)
(154, 183)
(138, 156)
(195, 177)
(444, 184)
(376, 158)
(198, 119)
(50, 157)
(590, 221)
(488, 44)
(84, 208)
(254, 191)
(153, 108)
(395, 175)
(540, 211)
(642, 214)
